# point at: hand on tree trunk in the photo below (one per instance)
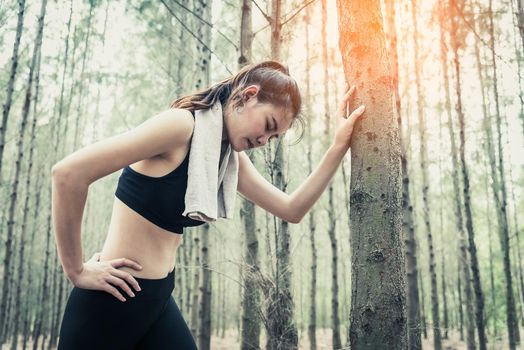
(346, 120)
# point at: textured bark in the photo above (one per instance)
(378, 315)
(461, 311)
(250, 337)
(312, 326)
(413, 307)
(495, 330)
(3, 129)
(43, 307)
(437, 342)
(520, 18)
(20, 158)
(469, 217)
(459, 220)
(36, 210)
(195, 287)
(501, 198)
(422, 304)
(84, 81)
(281, 329)
(188, 277)
(251, 294)
(518, 22)
(335, 319)
(204, 335)
(96, 117)
(202, 8)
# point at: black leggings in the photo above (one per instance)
(95, 319)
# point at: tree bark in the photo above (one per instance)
(250, 338)
(3, 130)
(204, 335)
(501, 200)
(378, 319)
(459, 220)
(413, 307)
(22, 132)
(281, 329)
(437, 342)
(469, 217)
(312, 326)
(335, 319)
(196, 286)
(520, 18)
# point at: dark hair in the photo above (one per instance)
(276, 86)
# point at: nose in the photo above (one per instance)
(262, 140)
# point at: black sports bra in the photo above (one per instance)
(158, 199)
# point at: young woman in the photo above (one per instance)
(122, 296)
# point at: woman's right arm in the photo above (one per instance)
(72, 176)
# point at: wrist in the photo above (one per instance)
(339, 148)
(73, 273)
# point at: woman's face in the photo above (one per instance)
(253, 124)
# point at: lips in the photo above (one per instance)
(250, 145)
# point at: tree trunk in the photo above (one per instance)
(3, 130)
(196, 286)
(437, 342)
(520, 18)
(459, 221)
(467, 206)
(501, 200)
(413, 307)
(378, 319)
(312, 326)
(281, 329)
(22, 132)
(250, 338)
(335, 320)
(204, 335)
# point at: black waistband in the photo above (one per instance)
(156, 287)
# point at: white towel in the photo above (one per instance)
(211, 189)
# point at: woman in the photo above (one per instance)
(122, 296)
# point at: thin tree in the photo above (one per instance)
(3, 130)
(501, 200)
(3, 126)
(520, 19)
(250, 338)
(444, 17)
(413, 307)
(281, 328)
(437, 342)
(204, 335)
(312, 325)
(20, 158)
(335, 319)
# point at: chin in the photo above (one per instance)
(236, 148)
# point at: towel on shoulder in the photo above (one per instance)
(211, 180)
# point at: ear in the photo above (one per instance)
(250, 92)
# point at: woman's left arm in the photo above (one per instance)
(293, 207)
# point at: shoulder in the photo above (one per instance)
(179, 122)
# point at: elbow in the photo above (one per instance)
(296, 218)
(61, 174)
(294, 213)
(58, 171)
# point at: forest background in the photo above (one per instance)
(75, 72)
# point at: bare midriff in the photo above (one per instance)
(134, 237)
